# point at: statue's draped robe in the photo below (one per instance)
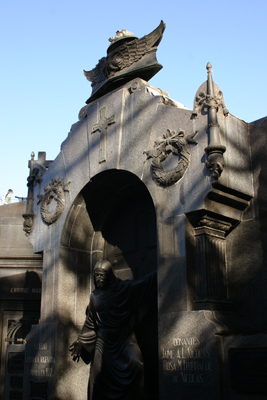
(107, 335)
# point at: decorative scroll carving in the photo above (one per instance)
(215, 224)
(28, 223)
(19, 329)
(83, 112)
(54, 191)
(171, 143)
(28, 216)
(228, 323)
(37, 170)
(215, 161)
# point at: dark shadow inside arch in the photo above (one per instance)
(114, 218)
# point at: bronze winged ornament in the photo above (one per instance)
(127, 58)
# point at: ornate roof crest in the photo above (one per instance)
(127, 58)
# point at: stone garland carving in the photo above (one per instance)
(55, 190)
(171, 143)
(207, 100)
(214, 224)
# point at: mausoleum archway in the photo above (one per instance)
(114, 218)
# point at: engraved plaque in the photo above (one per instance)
(189, 357)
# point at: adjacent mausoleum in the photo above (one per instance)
(20, 296)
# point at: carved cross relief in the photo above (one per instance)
(42, 159)
(102, 127)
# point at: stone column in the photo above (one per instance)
(210, 263)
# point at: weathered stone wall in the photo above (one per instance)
(205, 230)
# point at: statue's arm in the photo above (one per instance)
(76, 349)
(83, 346)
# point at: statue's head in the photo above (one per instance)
(103, 274)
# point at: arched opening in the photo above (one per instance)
(114, 218)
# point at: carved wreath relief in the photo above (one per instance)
(53, 201)
(171, 143)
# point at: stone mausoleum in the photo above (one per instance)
(149, 185)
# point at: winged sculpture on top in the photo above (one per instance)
(127, 57)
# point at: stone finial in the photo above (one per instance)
(209, 67)
(209, 99)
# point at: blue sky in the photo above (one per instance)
(45, 45)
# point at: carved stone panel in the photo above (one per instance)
(210, 265)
